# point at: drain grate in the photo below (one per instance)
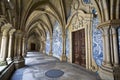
(54, 73)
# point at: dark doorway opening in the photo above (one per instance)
(33, 46)
(78, 47)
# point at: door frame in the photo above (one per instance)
(85, 22)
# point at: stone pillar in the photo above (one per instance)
(51, 41)
(19, 60)
(110, 66)
(106, 32)
(115, 47)
(64, 57)
(43, 47)
(104, 55)
(15, 47)
(23, 47)
(43, 43)
(9, 57)
(106, 67)
(3, 54)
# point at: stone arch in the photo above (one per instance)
(43, 10)
(38, 29)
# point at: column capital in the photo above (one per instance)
(42, 39)
(12, 31)
(64, 35)
(5, 28)
(18, 33)
(113, 23)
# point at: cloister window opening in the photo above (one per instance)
(33, 46)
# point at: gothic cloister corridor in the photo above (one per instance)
(38, 64)
(73, 39)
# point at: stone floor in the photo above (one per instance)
(38, 64)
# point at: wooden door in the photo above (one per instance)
(78, 47)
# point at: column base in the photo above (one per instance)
(107, 73)
(9, 60)
(3, 63)
(19, 63)
(63, 58)
(44, 52)
(50, 54)
(24, 55)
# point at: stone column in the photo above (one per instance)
(110, 69)
(107, 46)
(19, 60)
(115, 46)
(44, 43)
(104, 55)
(19, 45)
(51, 41)
(5, 28)
(64, 57)
(15, 47)
(23, 47)
(9, 57)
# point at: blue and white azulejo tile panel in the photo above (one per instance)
(97, 43)
(48, 43)
(86, 1)
(57, 40)
(67, 43)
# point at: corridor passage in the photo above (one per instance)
(42, 67)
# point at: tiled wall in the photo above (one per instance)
(67, 43)
(97, 43)
(87, 1)
(48, 43)
(57, 40)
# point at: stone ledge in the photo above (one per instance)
(8, 69)
(19, 63)
(2, 68)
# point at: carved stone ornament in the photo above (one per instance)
(77, 23)
(75, 4)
